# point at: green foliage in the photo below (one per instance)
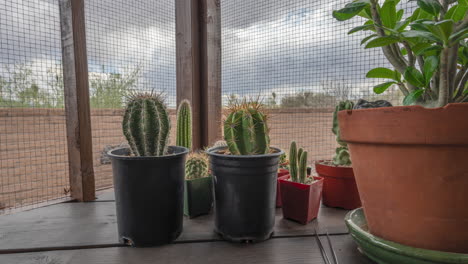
(245, 129)
(342, 154)
(428, 48)
(146, 125)
(196, 166)
(297, 164)
(184, 125)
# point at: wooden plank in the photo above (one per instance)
(288, 250)
(188, 61)
(78, 120)
(94, 224)
(211, 103)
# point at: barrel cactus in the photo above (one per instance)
(220, 143)
(184, 125)
(342, 157)
(196, 166)
(146, 124)
(246, 131)
(297, 164)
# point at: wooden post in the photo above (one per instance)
(198, 51)
(77, 112)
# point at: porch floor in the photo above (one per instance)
(87, 233)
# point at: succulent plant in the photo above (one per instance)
(293, 161)
(342, 154)
(220, 143)
(245, 129)
(302, 167)
(146, 124)
(196, 166)
(184, 125)
(283, 161)
(297, 164)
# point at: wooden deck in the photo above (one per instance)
(87, 233)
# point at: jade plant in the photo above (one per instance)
(245, 129)
(342, 157)
(297, 164)
(196, 166)
(146, 124)
(184, 125)
(428, 49)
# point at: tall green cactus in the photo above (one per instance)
(184, 125)
(196, 166)
(246, 131)
(293, 161)
(302, 167)
(342, 156)
(146, 124)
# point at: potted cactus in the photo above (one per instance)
(198, 198)
(339, 186)
(148, 176)
(184, 125)
(245, 176)
(409, 161)
(282, 171)
(300, 194)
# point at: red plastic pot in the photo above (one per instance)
(281, 173)
(301, 202)
(339, 186)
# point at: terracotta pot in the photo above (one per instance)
(411, 170)
(339, 186)
(281, 173)
(301, 202)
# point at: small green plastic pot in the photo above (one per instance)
(387, 252)
(198, 197)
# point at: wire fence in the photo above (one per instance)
(291, 53)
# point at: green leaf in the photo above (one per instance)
(365, 13)
(430, 66)
(430, 6)
(433, 49)
(414, 77)
(380, 42)
(413, 97)
(388, 14)
(367, 38)
(463, 2)
(416, 48)
(401, 25)
(459, 35)
(380, 88)
(350, 10)
(400, 14)
(419, 34)
(404, 52)
(381, 73)
(445, 28)
(456, 13)
(415, 15)
(364, 27)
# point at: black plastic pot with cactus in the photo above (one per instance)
(245, 176)
(148, 176)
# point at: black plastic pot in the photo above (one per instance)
(149, 193)
(245, 194)
(198, 197)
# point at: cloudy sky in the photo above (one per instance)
(268, 46)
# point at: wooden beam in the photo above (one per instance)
(78, 120)
(198, 51)
(188, 61)
(211, 71)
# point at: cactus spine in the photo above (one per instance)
(293, 161)
(196, 166)
(302, 167)
(184, 125)
(342, 156)
(246, 130)
(146, 124)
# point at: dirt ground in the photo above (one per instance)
(33, 148)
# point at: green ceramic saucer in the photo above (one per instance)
(387, 252)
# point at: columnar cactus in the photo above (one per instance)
(302, 167)
(246, 130)
(293, 161)
(184, 125)
(196, 166)
(146, 124)
(342, 154)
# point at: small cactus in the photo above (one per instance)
(220, 143)
(342, 154)
(184, 125)
(246, 131)
(293, 161)
(302, 167)
(196, 166)
(146, 124)
(283, 161)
